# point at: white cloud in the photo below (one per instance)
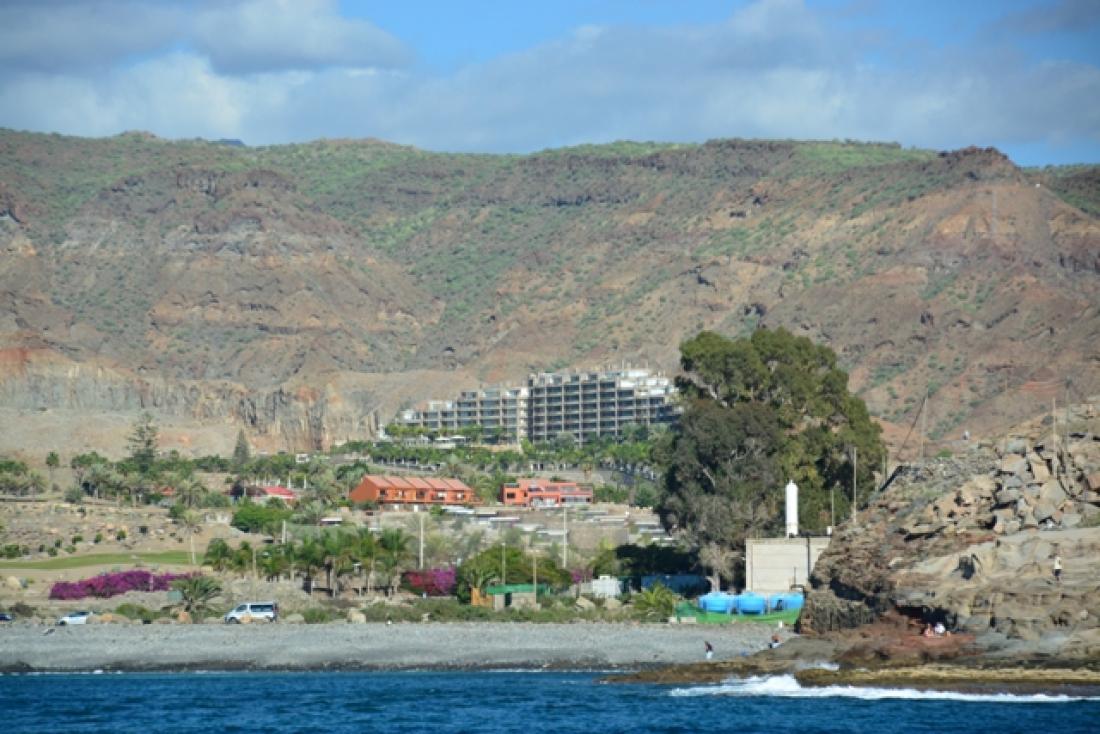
(774, 69)
(83, 37)
(275, 35)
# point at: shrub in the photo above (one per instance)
(317, 615)
(20, 609)
(98, 538)
(136, 611)
(432, 581)
(11, 551)
(120, 535)
(112, 584)
(77, 539)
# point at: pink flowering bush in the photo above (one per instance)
(112, 584)
(431, 581)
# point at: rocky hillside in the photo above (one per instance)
(309, 291)
(971, 541)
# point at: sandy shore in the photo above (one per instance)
(367, 646)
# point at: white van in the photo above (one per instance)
(268, 610)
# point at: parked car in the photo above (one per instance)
(268, 610)
(74, 618)
(5, 617)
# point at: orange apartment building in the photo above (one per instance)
(544, 493)
(413, 491)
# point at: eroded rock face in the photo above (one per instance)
(971, 541)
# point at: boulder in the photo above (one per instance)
(1007, 496)
(1043, 511)
(1039, 470)
(13, 583)
(1016, 446)
(1013, 464)
(614, 605)
(1052, 493)
(584, 603)
(1093, 480)
(1029, 522)
(1071, 520)
(1012, 482)
(1012, 526)
(356, 617)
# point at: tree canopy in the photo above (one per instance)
(758, 412)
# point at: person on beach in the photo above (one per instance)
(928, 631)
(1057, 568)
(709, 649)
(939, 629)
(776, 642)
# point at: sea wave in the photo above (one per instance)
(786, 686)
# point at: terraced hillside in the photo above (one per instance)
(308, 291)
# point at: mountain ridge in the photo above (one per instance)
(289, 268)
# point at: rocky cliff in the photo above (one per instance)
(250, 276)
(971, 540)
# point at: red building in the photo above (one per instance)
(544, 493)
(413, 491)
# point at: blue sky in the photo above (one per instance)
(479, 75)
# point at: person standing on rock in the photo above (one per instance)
(1057, 568)
(709, 648)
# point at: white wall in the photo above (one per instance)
(774, 564)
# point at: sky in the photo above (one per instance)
(514, 76)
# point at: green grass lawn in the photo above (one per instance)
(788, 617)
(105, 559)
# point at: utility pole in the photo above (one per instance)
(503, 567)
(565, 536)
(854, 455)
(535, 576)
(923, 423)
(420, 563)
(832, 507)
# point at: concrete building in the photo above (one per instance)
(502, 409)
(587, 405)
(412, 491)
(776, 564)
(529, 492)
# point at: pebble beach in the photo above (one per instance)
(593, 646)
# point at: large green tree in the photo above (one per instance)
(142, 443)
(758, 412)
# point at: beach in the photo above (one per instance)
(481, 645)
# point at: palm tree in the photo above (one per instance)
(190, 521)
(394, 546)
(218, 554)
(310, 513)
(197, 592)
(367, 552)
(310, 556)
(189, 491)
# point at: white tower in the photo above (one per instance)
(792, 510)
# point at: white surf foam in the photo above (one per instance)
(785, 686)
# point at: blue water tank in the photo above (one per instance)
(716, 601)
(750, 603)
(786, 601)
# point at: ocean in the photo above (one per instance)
(505, 701)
